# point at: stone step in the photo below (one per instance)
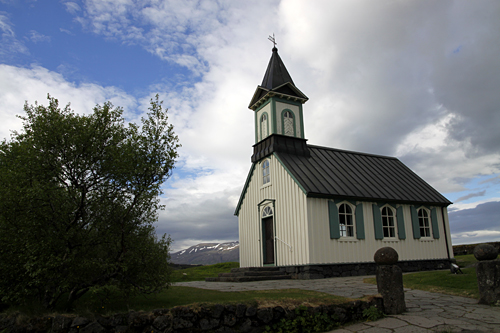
(247, 274)
(255, 269)
(253, 278)
(251, 273)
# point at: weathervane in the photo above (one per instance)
(273, 40)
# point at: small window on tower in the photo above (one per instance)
(263, 127)
(266, 176)
(288, 123)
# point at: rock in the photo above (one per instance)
(79, 322)
(265, 315)
(230, 308)
(217, 310)
(162, 322)
(386, 256)
(278, 312)
(251, 311)
(93, 327)
(390, 286)
(229, 319)
(240, 310)
(121, 329)
(208, 324)
(61, 324)
(139, 319)
(488, 281)
(179, 323)
(246, 326)
(485, 252)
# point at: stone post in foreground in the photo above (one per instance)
(390, 280)
(488, 274)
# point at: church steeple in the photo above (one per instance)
(277, 105)
(277, 82)
(277, 102)
(276, 73)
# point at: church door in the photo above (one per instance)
(267, 224)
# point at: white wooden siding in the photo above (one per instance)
(325, 250)
(289, 218)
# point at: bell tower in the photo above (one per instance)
(277, 105)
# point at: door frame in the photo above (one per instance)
(264, 203)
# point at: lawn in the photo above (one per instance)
(443, 281)
(109, 300)
(199, 273)
(177, 295)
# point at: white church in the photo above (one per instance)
(319, 211)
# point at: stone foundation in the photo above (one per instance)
(322, 271)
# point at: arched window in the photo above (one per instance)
(288, 128)
(423, 222)
(388, 222)
(263, 126)
(266, 176)
(267, 211)
(346, 221)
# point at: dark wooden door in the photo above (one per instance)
(268, 241)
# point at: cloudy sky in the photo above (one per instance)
(418, 80)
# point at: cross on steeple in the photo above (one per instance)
(273, 40)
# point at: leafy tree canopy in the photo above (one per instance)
(78, 199)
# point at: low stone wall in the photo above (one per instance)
(307, 272)
(469, 248)
(214, 318)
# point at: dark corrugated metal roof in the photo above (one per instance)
(276, 82)
(276, 73)
(330, 172)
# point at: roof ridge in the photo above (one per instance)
(352, 152)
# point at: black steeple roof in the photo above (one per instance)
(276, 73)
(277, 82)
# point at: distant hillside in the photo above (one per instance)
(208, 254)
(469, 248)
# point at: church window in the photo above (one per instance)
(264, 126)
(288, 128)
(346, 221)
(423, 222)
(388, 222)
(266, 176)
(267, 211)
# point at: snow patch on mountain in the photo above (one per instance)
(207, 254)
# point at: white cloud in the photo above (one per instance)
(474, 237)
(18, 85)
(37, 37)
(9, 44)
(381, 78)
(414, 79)
(72, 7)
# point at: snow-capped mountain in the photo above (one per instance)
(208, 254)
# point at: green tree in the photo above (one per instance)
(78, 200)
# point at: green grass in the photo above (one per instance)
(201, 272)
(112, 301)
(466, 260)
(177, 295)
(107, 301)
(443, 281)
